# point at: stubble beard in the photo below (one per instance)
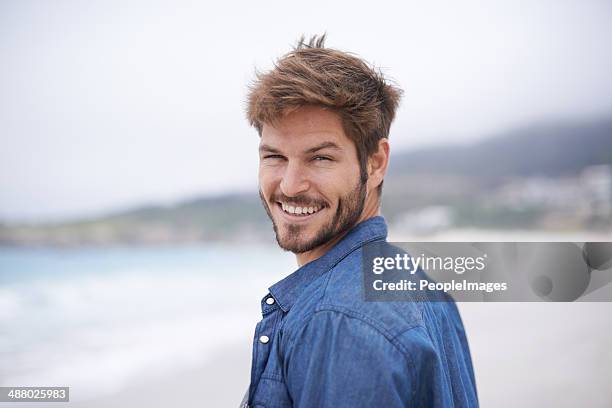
(347, 214)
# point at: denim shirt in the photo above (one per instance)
(320, 344)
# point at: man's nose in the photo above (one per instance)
(294, 181)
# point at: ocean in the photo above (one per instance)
(100, 319)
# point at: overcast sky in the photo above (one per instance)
(105, 105)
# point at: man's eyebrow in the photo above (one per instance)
(324, 145)
(268, 148)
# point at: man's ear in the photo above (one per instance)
(378, 163)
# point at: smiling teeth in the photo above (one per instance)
(299, 210)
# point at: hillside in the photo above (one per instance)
(547, 149)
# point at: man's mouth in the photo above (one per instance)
(299, 211)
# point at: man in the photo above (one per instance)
(323, 117)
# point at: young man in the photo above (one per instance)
(323, 117)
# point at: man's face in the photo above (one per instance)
(309, 178)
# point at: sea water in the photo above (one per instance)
(96, 319)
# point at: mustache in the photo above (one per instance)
(298, 201)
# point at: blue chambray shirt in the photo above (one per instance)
(320, 344)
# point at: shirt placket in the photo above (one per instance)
(265, 332)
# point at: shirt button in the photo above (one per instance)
(270, 300)
(264, 339)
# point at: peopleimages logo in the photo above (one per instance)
(410, 264)
(488, 271)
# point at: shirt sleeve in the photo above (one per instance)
(337, 360)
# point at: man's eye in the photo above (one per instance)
(273, 156)
(322, 158)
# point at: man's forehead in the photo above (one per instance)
(310, 135)
(306, 142)
(304, 133)
(306, 119)
(304, 129)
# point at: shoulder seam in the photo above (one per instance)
(323, 308)
(368, 321)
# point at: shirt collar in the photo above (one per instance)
(286, 291)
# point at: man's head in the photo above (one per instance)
(323, 117)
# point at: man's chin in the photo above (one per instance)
(294, 241)
(294, 248)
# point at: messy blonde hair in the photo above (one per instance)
(314, 75)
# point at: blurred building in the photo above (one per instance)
(588, 194)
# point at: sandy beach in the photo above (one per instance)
(525, 354)
(219, 382)
(165, 332)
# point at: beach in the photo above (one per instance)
(173, 326)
